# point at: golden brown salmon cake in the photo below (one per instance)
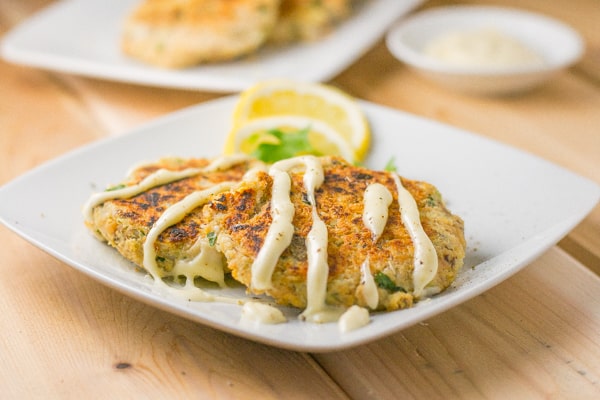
(308, 20)
(242, 217)
(125, 223)
(182, 33)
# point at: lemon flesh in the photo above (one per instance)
(322, 139)
(316, 103)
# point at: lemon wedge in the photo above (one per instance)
(335, 122)
(288, 136)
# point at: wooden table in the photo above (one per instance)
(537, 335)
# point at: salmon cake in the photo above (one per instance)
(316, 233)
(367, 263)
(126, 215)
(183, 33)
(308, 20)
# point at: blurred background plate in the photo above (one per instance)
(82, 37)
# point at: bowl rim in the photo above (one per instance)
(396, 43)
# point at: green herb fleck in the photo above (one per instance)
(116, 187)
(385, 282)
(212, 238)
(430, 201)
(277, 145)
(391, 165)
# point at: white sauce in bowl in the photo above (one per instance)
(482, 48)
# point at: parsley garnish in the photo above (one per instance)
(275, 145)
(385, 282)
(391, 165)
(116, 187)
(212, 238)
(430, 201)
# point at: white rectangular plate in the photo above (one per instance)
(514, 205)
(82, 37)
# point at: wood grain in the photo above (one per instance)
(529, 337)
(67, 335)
(536, 335)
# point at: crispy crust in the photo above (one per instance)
(242, 218)
(124, 224)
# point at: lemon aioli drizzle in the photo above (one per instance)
(281, 230)
(377, 199)
(158, 178)
(316, 247)
(279, 237)
(208, 263)
(253, 311)
(425, 257)
(369, 293)
(355, 317)
(171, 216)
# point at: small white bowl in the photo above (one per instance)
(559, 45)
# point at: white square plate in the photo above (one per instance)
(82, 37)
(515, 206)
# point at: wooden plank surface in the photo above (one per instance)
(509, 343)
(537, 335)
(67, 336)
